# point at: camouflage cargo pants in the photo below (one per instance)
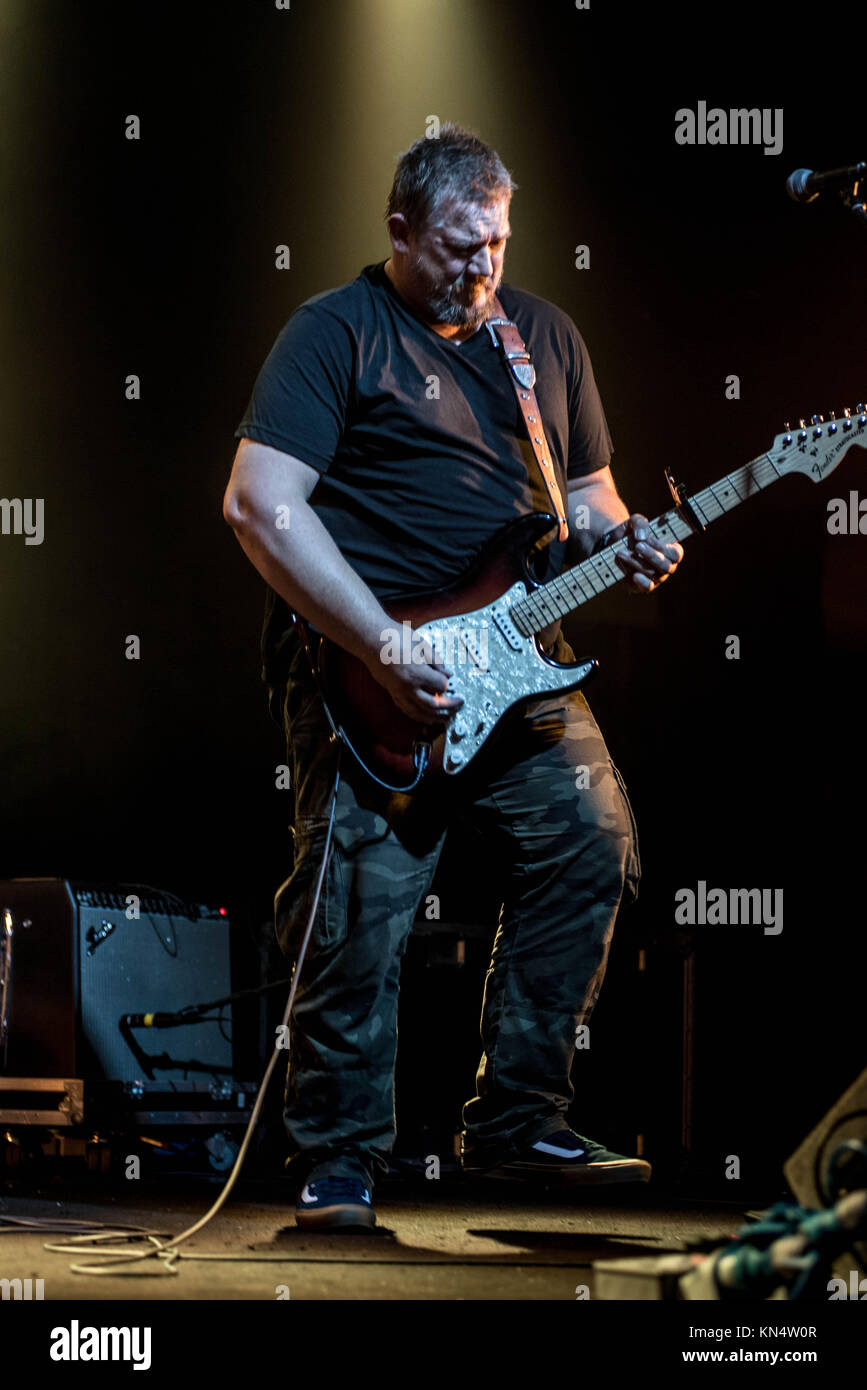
(572, 856)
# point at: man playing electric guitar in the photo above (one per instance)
(386, 421)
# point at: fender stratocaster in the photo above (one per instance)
(486, 626)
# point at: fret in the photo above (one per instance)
(589, 574)
(671, 522)
(584, 585)
(744, 482)
(525, 613)
(561, 596)
(540, 600)
(524, 619)
(752, 478)
(572, 581)
(598, 573)
(699, 509)
(725, 494)
(603, 569)
(736, 481)
(563, 602)
(774, 466)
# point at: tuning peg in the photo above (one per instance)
(847, 412)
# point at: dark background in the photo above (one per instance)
(156, 257)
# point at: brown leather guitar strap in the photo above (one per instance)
(522, 374)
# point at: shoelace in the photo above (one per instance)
(339, 1187)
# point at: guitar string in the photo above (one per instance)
(576, 586)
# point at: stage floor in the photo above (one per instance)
(434, 1240)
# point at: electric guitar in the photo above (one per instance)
(486, 626)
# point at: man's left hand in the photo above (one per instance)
(647, 562)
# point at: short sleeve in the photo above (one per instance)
(300, 397)
(590, 446)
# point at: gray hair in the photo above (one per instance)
(455, 163)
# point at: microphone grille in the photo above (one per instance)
(796, 185)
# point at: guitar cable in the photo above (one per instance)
(166, 1248)
(421, 751)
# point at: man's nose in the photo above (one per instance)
(482, 263)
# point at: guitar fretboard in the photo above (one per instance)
(600, 572)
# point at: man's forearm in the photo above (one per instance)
(605, 509)
(304, 566)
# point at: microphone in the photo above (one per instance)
(803, 185)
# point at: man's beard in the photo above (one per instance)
(452, 305)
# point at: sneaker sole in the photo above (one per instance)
(337, 1217)
(581, 1175)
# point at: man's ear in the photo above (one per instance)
(398, 231)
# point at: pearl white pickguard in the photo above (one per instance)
(493, 668)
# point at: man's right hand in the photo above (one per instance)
(417, 687)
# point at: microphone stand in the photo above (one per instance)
(853, 202)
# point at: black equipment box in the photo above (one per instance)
(82, 967)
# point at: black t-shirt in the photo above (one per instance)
(419, 441)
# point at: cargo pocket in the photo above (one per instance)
(633, 865)
(294, 898)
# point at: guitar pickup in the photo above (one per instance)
(507, 627)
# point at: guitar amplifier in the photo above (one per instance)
(76, 959)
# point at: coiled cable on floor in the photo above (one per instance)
(167, 1248)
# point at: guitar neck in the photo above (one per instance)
(599, 572)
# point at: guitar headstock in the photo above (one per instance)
(818, 445)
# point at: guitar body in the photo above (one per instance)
(495, 669)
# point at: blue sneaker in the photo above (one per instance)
(329, 1204)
